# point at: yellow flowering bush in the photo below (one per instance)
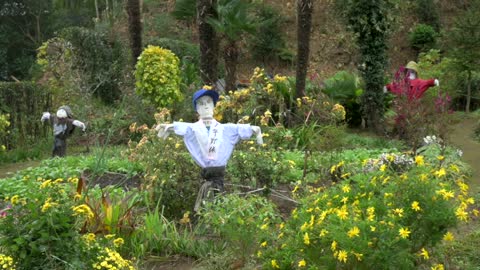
(157, 76)
(40, 224)
(103, 254)
(382, 219)
(6, 262)
(4, 124)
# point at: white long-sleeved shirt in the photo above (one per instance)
(211, 147)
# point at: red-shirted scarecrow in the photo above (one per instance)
(406, 82)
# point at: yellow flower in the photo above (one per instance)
(346, 188)
(207, 87)
(424, 253)
(306, 239)
(302, 263)
(416, 206)
(342, 256)
(334, 245)
(461, 214)
(323, 232)
(358, 255)
(440, 158)
(440, 172)
(437, 267)
(275, 264)
(383, 168)
(14, 200)
(448, 237)
(83, 209)
(419, 160)
(48, 204)
(118, 242)
(355, 231)
(263, 244)
(404, 232)
(398, 211)
(186, 218)
(342, 213)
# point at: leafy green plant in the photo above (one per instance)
(175, 185)
(344, 88)
(422, 37)
(243, 223)
(157, 76)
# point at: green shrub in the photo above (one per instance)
(423, 37)
(185, 10)
(171, 176)
(157, 76)
(100, 60)
(344, 88)
(243, 223)
(268, 43)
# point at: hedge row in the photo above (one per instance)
(24, 102)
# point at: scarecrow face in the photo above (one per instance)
(412, 75)
(61, 113)
(205, 107)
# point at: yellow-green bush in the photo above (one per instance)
(157, 76)
(4, 124)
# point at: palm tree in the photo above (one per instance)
(232, 22)
(304, 24)
(135, 28)
(208, 41)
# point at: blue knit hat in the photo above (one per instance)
(202, 92)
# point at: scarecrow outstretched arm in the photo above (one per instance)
(79, 124)
(45, 116)
(164, 130)
(258, 133)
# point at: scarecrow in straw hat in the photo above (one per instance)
(63, 126)
(407, 83)
(209, 142)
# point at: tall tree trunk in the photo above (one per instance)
(304, 24)
(135, 28)
(231, 61)
(96, 10)
(208, 41)
(469, 91)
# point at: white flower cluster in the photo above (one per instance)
(396, 162)
(432, 140)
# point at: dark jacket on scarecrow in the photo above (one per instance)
(63, 126)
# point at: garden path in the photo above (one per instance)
(10, 169)
(462, 137)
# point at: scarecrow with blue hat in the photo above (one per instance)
(209, 142)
